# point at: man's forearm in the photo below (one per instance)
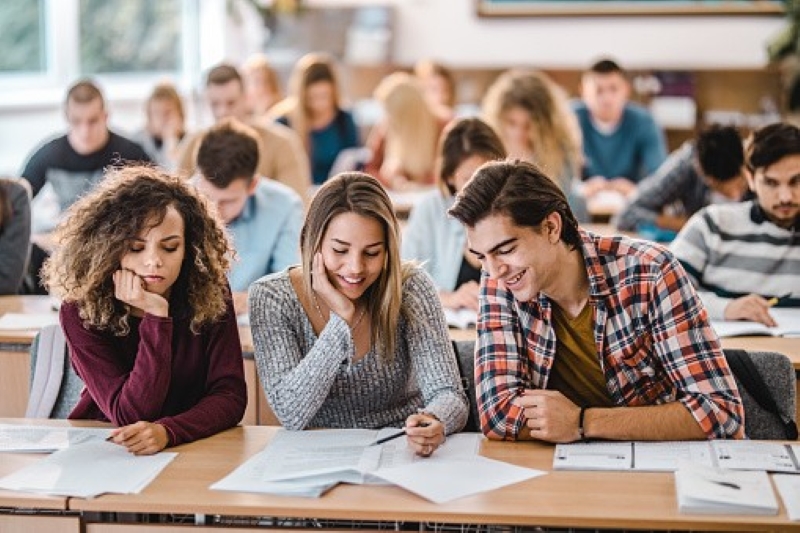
(670, 421)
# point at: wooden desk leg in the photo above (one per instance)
(15, 375)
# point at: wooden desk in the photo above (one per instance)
(559, 499)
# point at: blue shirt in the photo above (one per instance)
(635, 149)
(266, 234)
(326, 143)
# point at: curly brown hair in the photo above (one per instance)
(96, 232)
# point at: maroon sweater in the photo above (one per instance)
(160, 372)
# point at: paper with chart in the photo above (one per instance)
(87, 470)
(755, 455)
(42, 439)
(307, 463)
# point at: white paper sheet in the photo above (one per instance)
(594, 456)
(753, 455)
(704, 490)
(38, 439)
(787, 318)
(789, 489)
(26, 321)
(665, 456)
(87, 470)
(443, 480)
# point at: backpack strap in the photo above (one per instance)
(747, 374)
(48, 372)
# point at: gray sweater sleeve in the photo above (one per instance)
(296, 381)
(15, 236)
(431, 351)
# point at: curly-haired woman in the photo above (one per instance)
(147, 311)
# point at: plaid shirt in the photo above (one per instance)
(655, 343)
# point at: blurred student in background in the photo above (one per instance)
(282, 155)
(147, 311)
(15, 233)
(439, 87)
(438, 241)
(314, 111)
(531, 115)
(403, 144)
(261, 85)
(165, 125)
(263, 216)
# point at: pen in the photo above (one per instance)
(728, 484)
(776, 299)
(396, 435)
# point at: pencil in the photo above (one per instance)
(776, 299)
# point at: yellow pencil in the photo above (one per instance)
(775, 299)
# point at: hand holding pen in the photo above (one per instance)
(424, 434)
(753, 307)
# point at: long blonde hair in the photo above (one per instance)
(412, 127)
(554, 134)
(359, 193)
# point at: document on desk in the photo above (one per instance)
(307, 463)
(666, 456)
(43, 439)
(26, 321)
(789, 489)
(706, 490)
(87, 470)
(787, 318)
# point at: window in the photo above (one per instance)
(22, 36)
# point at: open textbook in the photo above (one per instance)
(787, 318)
(666, 456)
(87, 470)
(707, 490)
(40, 439)
(307, 463)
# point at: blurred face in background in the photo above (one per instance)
(516, 125)
(88, 126)
(164, 118)
(227, 100)
(320, 99)
(605, 95)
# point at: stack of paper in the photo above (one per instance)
(38, 439)
(88, 470)
(704, 490)
(307, 463)
(789, 489)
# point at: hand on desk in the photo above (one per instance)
(424, 439)
(141, 438)
(751, 307)
(464, 296)
(550, 416)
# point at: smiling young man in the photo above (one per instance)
(583, 336)
(740, 256)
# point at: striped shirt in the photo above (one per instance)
(311, 383)
(653, 338)
(732, 250)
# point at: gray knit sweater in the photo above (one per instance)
(310, 382)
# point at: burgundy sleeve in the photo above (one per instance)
(225, 398)
(117, 390)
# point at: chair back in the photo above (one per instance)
(776, 372)
(465, 356)
(55, 387)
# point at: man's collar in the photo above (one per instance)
(758, 216)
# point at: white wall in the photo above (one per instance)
(451, 31)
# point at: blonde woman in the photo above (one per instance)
(404, 144)
(354, 338)
(165, 126)
(314, 110)
(262, 85)
(531, 114)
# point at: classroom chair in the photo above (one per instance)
(767, 383)
(55, 387)
(465, 357)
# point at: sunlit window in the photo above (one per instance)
(22, 37)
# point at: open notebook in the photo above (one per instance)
(788, 320)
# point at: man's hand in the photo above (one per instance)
(550, 416)
(751, 307)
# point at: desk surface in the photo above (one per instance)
(22, 304)
(577, 499)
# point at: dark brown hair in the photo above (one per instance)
(229, 151)
(772, 143)
(519, 190)
(222, 74)
(83, 92)
(462, 139)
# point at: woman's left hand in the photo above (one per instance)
(424, 433)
